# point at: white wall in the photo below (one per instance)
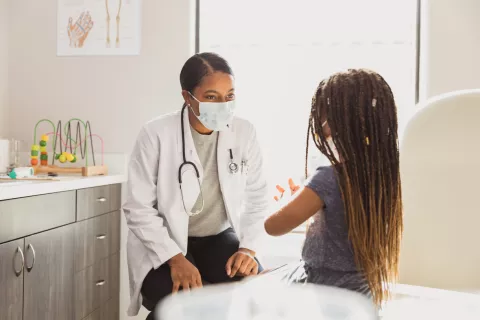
(117, 94)
(450, 46)
(4, 35)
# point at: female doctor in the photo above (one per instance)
(197, 196)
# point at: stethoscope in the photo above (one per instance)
(232, 168)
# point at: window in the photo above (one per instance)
(280, 50)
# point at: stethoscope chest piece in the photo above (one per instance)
(233, 167)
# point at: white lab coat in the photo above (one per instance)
(154, 210)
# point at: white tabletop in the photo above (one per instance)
(411, 302)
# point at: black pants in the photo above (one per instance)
(208, 254)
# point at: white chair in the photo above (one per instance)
(440, 168)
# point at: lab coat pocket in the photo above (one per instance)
(243, 174)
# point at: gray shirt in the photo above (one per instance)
(327, 252)
(213, 219)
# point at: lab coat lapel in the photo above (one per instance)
(226, 141)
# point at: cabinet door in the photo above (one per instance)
(49, 275)
(11, 280)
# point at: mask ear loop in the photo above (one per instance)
(189, 106)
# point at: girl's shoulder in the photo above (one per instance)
(324, 183)
(322, 174)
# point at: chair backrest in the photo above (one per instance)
(440, 168)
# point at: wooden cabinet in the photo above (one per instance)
(11, 280)
(59, 263)
(48, 277)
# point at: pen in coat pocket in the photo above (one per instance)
(244, 164)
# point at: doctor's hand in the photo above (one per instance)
(184, 274)
(242, 263)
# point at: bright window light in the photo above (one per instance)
(280, 50)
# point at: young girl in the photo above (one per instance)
(353, 240)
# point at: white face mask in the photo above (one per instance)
(216, 116)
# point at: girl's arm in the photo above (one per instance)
(296, 212)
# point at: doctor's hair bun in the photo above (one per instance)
(199, 66)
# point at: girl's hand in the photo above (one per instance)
(293, 189)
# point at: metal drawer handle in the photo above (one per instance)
(101, 236)
(19, 251)
(102, 199)
(100, 283)
(30, 247)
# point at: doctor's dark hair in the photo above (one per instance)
(199, 66)
(360, 110)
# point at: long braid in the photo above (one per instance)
(360, 110)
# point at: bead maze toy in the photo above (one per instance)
(67, 150)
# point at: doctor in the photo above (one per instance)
(197, 196)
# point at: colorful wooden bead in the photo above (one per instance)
(44, 156)
(44, 138)
(43, 149)
(62, 158)
(35, 147)
(70, 157)
(34, 162)
(34, 153)
(43, 143)
(74, 159)
(44, 162)
(33, 157)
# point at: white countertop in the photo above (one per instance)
(10, 190)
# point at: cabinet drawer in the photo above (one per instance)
(96, 239)
(25, 216)
(109, 311)
(96, 285)
(99, 200)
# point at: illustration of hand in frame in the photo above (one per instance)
(78, 31)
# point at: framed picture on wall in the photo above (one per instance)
(98, 27)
